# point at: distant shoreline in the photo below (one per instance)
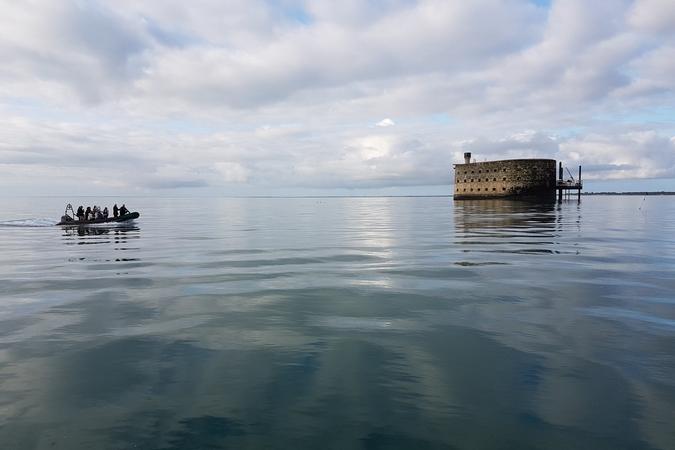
(630, 193)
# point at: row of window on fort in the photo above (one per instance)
(478, 189)
(479, 180)
(466, 172)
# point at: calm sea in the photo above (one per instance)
(340, 323)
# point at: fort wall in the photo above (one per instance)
(506, 178)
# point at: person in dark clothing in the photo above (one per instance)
(80, 213)
(115, 210)
(105, 212)
(123, 210)
(87, 213)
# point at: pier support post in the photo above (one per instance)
(560, 177)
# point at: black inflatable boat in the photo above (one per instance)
(67, 220)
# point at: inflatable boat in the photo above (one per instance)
(69, 218)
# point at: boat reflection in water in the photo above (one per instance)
(100, 234)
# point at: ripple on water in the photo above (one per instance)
(340, 323)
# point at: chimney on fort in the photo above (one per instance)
(467, 157)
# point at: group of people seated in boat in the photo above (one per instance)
(95, 212)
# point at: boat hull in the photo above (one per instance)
(125, 218)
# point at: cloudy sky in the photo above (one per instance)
(274, 97)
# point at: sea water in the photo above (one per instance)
(339, 323)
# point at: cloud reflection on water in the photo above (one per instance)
(209, 347)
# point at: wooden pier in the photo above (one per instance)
(565, 187)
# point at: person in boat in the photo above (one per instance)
(116, 210)
(123, 210)
(87, 213)
(80, 213)
(105, 212)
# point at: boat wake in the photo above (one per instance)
(29, 223)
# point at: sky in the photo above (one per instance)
(320, 97)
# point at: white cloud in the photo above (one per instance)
(653, 16)
(385, 123)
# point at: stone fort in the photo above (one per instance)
(506, 178)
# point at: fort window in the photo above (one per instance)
(504, 179)
(471, 189)
(464, 189)
(472, 171)
(494, 179)
(503, 189)
(478, 189)
(479, 171)
(494, 189)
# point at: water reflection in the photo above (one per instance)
(476, 215)
(85, 235)
(98, 230)
(506, 226)
(397, 323)
(558, 276)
